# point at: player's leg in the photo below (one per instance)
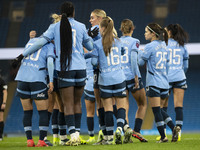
(27, 120)
(101, 115)
(78, 91)
(178, 104)
(140, 97)
(153, 94)
(40, 95)
(67, 96)
(1, 121)
(54, 122)
(119, 92)
(90, 108)
(109, 122)
(80, 78)
(24, 92)
(60, 118)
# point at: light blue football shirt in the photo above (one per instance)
(79, 36)
(129, 44)
(34, 67)
(156, 55)
(110, 68)
(177, 55)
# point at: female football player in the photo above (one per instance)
(129, 60)
(157, 87)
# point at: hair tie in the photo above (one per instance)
(152, 30)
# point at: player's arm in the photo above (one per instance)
(141, 61)
(134, 62)
(185, 65)
(50, 66)
(134, 67)
(88, 44)
(87, 40)
(37, 45)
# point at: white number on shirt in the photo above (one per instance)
(74, 37)
(114, 58)
(162, 59)
(175, 56)
(34, 56)
(124, 58)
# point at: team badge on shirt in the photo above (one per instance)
(137, 44)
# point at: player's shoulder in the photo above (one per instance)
(149, 45)
(77, 23)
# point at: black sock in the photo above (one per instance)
(27, 122)
(109, 122)
(115, 111)
(49, 116)
(179, 116)
(102, 124)
(167, 119)
(54, 121)
(43, 123)
(70, 122)
(1, 129)
(90, 124)
(78, 122)
(62, 123)
(121, 114)
(159, 121)
(138, 125)
(165, 109)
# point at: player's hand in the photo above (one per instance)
(122, 51)
(50, 87)
(94, 32)
(17, 61)
(136, 82)
(3, 106)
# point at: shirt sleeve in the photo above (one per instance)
(147, 53)
(134, 62)
(185, 55)
(49, 33)
(50, 66)
(50, 52)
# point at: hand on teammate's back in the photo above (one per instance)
(17, 61)
(94, 32)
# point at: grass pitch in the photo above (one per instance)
(188, 141)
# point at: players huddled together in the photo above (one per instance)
(105, 68)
